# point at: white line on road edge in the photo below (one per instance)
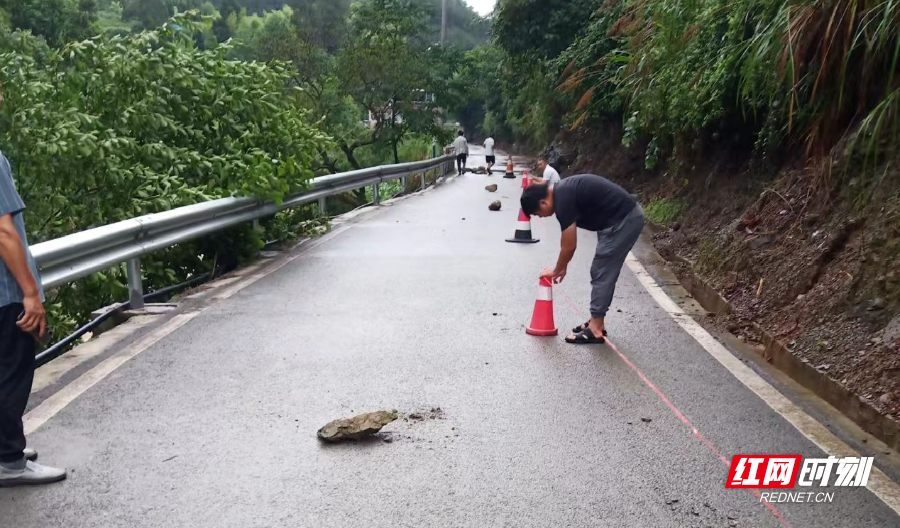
(58, 401)
(52, 405)
(879, 483)
(47, 409)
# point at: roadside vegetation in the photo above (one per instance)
(764, 131)
(114, 109)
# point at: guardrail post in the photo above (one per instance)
(375, 195)
(135, 286)
(322, 205)
(423, 180)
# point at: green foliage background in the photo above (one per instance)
(115, 109)
(103, 130)
(771, 76)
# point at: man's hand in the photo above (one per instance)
(35, 318)
(12, 252)
(554, 275)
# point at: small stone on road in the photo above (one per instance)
(356, 427)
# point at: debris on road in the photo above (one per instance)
(495, 205)
(491, 188)
(646, 420)
(435, 413)
(357, 427)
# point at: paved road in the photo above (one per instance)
(421, 305)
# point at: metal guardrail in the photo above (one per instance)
(78, 255)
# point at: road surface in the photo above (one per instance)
(420, 305)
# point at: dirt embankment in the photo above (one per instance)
(795, 250)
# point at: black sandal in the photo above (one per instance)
(582, 328)
(585, 337)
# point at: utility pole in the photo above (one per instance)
(443, 20)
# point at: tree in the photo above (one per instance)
(532, 34)
(465, 29)
(541, 29)
(322, 23)
(148, 13)
(475, 90)
(388, 68)
(58, 21)
(229, 17)
(112, 128)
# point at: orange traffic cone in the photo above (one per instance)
(523, 230)
(509, 168)
(542, 319)
(525, 181)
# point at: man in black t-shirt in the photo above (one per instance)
(594, 203)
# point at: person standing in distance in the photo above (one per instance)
(461, 148)
(21, 315)
(550, 175)
(489, 153)
(593, 203)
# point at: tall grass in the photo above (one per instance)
(802, 73)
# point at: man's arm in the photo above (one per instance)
(12, 251)
(568, 243)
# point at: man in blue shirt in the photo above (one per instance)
(21, 318)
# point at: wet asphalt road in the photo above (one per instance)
(420, 306)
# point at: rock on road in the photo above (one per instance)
(419, 306)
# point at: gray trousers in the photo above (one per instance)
(613, 245)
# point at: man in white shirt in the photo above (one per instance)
(489, 153)
(549, 173)
(461, 147)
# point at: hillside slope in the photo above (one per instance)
(793, 250)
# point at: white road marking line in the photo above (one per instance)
(52, 405)
(53, 371)
(879, 483)
(38, 416)
(268, 270)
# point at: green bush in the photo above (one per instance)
(110, 128)
(780, 73)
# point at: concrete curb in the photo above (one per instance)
(778, 355)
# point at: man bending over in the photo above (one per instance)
(593, 203)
